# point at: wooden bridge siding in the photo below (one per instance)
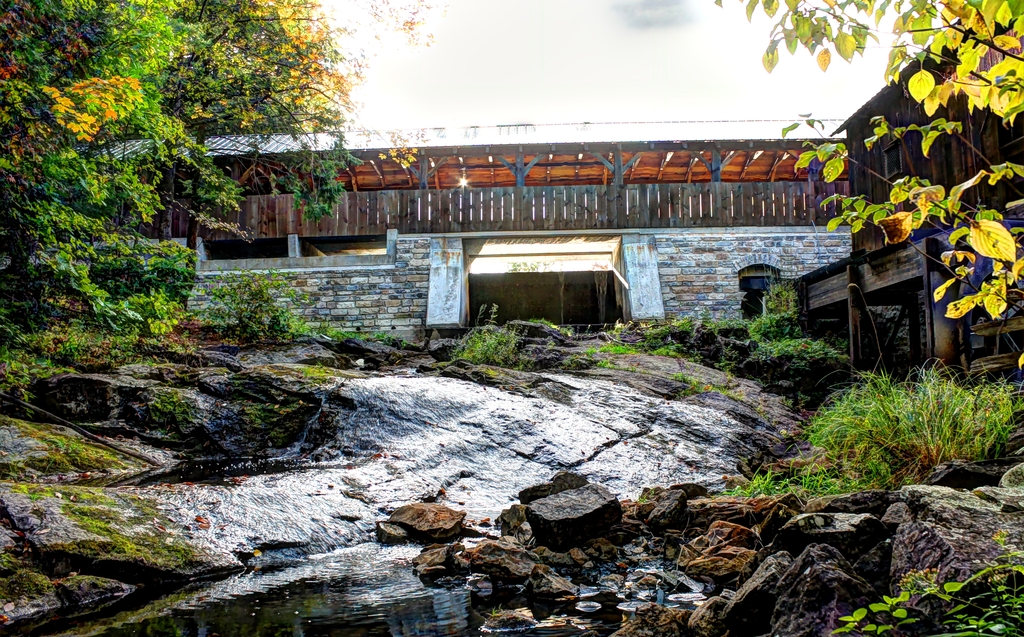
(700, 205)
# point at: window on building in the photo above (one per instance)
(754, 282)
(892, 159)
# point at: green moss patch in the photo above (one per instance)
(119, 527)
(49, 450)
(24, 583)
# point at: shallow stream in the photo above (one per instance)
(304, 526)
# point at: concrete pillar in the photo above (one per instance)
(448, 291)
(640, 262)
(294, 246)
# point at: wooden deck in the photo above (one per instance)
(704, 205)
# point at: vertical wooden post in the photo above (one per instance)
(854, 313)
(520, 171)
(914, 329)
(424, 172)
(716, 165)
(944, 342)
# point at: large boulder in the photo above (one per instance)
(654, 620)
(562, 481)
(852, 533)
(89, 397)
(501, 560)
(426, 521)
(571, 517)
(1014, 478)
(113, 532)
(669, 511)
(749, 611)
(818, 588)
(952, 531)
(962, 474)
(769, 514)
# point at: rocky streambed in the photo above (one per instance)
(282, 503)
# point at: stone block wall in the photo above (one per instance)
(699, 267)
(379, 298)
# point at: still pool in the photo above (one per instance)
(362, 591)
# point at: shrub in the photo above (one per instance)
(252, 307)
(775, 327)
(125, 270)
(491, 345)
(885, 433)
(802, 355)
(782, 298)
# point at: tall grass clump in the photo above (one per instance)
(884, 433)
(491, 345)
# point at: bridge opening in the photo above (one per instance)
(565, 280)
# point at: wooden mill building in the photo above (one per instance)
(574, 232)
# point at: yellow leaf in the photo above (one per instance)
(941, 290)
(257, 553)
(1007, 42)
(1020, 361)
(1017, 267)
(921, 84)
(897, 228)
(924, 197)
(992, 239)
(957, 309)
(995, 305)
(824, 59)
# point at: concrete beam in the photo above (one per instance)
(448, 291)
(640, 262)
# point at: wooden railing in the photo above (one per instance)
(544, 208)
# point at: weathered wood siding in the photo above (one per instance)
(951, 160)
(542, 208)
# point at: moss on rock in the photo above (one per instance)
(32, 450)
(105, 530)
(24, 584)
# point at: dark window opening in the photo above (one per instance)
(566, 298)
(355, 245)
(238, 249)
(892, 160)
(754, 283)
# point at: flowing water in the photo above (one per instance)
(390, 440)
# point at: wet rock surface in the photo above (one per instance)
(448, 451)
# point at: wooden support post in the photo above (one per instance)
(853, 313)
(424, 172)
(914, 329)
(944, 335)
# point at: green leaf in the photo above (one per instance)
(921, 84)
(952, 587)
(878, 607)
(805, 159)
(860, 614)
(789, 129)
(846, 46)
(833, 168)
(834, 223)
(751, 7)
(770, 59)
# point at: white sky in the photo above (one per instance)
(556, 61)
